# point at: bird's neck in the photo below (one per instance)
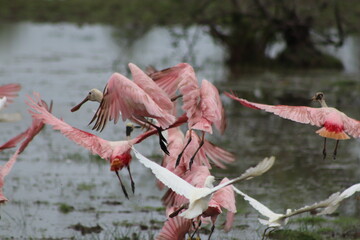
(323, 103)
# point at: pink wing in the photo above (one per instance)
(121, 95)
(159, 96)
(14, 141)
(174, 229)
(168, 79)
(301, 114)
(212, 92)
(28, 134)
(217, 155)
(4, 171)
(93, 143)
(225, 197)
(9, 91)
(351, 126)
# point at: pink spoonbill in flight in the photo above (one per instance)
(202, 105)
(116, 152)
(334, 124)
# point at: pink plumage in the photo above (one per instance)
(159, 96)
(10, 91)
(122, 97)
(4, 171)
(174, 229)
(336, 123)
(29, 133)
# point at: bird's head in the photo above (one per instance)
(93, 95)
(318, 96)
(209, 181)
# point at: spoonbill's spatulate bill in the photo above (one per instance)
(334, 124)
(198, 197)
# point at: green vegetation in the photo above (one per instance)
(65, 208)
(245, 28)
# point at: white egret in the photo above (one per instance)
(198, 197)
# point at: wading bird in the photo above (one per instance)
(123, 97)
(116, 152)
(201, 104)
(199, 198)
(334, 124)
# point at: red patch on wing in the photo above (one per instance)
(120, 161)
(333, 127)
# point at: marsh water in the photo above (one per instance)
(63, 61)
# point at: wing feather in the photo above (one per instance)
(93, 143)
(177, 184)
(301, 114)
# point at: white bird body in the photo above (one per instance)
(278, 220)
(2, 102)
(199, 198)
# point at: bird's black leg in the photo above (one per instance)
(324, 149)
(131, 179)
(264, 234)
(335, 150)
(200, 145)
(211, 231)
(176, 212)
(122, 185)
(175, 98)
(162, 139)
(182, 152)
(196, 229)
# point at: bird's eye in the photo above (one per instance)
(89, 93)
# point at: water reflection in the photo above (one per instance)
(63, 61)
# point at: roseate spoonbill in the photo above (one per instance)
(199, 198)
(9, 91)
(201, 104)
(334, 124)
(4, 171)
(36, 126)
(116, 152)
(124, 97)
(94, 95)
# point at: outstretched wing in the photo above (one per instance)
(258, 170)
(10, 91)
(351, 126)
(121, 95)
(93, 143)
(321, 204)
(159, 96)
(171, 180)
(261, 208)
(301, 114)
(335, 203)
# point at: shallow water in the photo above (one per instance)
(62, 62)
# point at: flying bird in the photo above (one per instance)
(199, 197)
(202, 105)
(334, 124)
(116, 152)
(277, 219)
